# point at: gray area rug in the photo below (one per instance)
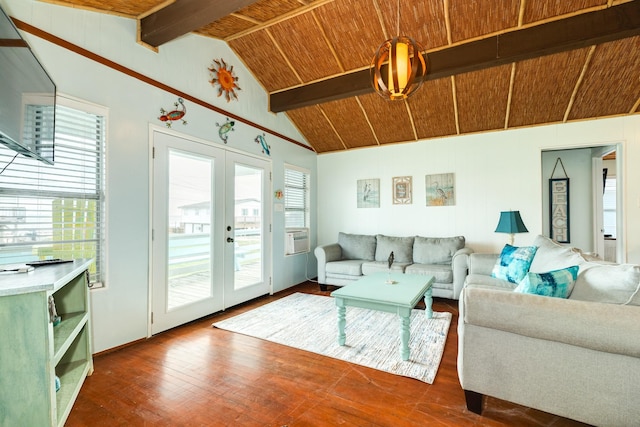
(309, 322)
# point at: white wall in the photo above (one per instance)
(120, 311)
(493, 172)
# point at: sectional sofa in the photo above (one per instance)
(576, 355)
(357, 255)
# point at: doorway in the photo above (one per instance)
(584, 168)
(210, 230)
(611, 208)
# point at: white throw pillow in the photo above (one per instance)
(606, 283)
(552, 256)
(635, 298)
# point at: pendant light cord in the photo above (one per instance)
(398, 22)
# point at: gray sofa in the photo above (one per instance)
(577, 357)
(357, 255)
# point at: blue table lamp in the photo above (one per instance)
(510, 222)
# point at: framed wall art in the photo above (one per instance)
(559, 206)
(559, 210)
(440, 189)
(368, 193)
(402, 190)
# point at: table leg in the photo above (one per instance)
(404, 337)
(342, 321)
(428, 302)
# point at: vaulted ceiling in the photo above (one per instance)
(492, 64)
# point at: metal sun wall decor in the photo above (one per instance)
(177, 113)
(402, 190)
(223, 76)
(368, 193)
(224, 129)
(440, 189)
(266, 148)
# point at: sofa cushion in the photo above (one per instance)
(442, 273)
(488, 281)
(436, 250)
(371, 267)
(552, 256)
(607, 283)
(513, 263)
(557, 283)
(402, 248)
(341, 279)
(349, 267)
(357, 246)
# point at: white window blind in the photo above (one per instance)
(296, 197)
(56, 211)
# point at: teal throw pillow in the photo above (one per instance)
(513, 263)
(557, 283)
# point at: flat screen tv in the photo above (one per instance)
(27, 97)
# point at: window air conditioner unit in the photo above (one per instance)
(296, 241)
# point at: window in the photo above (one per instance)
(609, 207)
(296, 197)
(57, 211)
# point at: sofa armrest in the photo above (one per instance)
(460, 267)
(482, 263)
(610, 328)
(325, 254)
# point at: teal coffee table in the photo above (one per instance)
(374, 293)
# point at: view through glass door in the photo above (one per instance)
(206, 255)
(246, 275)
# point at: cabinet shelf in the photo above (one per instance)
(71, 378)
(65, 332)
(73, 367)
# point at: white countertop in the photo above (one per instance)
(42, 278)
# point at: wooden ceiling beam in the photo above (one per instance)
(13, 43)
(575, 32)
(184, 16)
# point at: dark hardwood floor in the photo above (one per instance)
(196, 375)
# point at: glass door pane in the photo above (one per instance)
(187, 222)
(189, 229)
(248, 226)
(248, 221)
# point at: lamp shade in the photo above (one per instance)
(511, 222)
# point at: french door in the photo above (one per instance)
(247, 227)
(211, 221)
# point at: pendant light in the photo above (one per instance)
(398, 68)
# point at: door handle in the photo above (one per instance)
(229, 240)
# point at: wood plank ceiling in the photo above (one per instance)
(289, 45)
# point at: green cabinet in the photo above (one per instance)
(33, 352)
